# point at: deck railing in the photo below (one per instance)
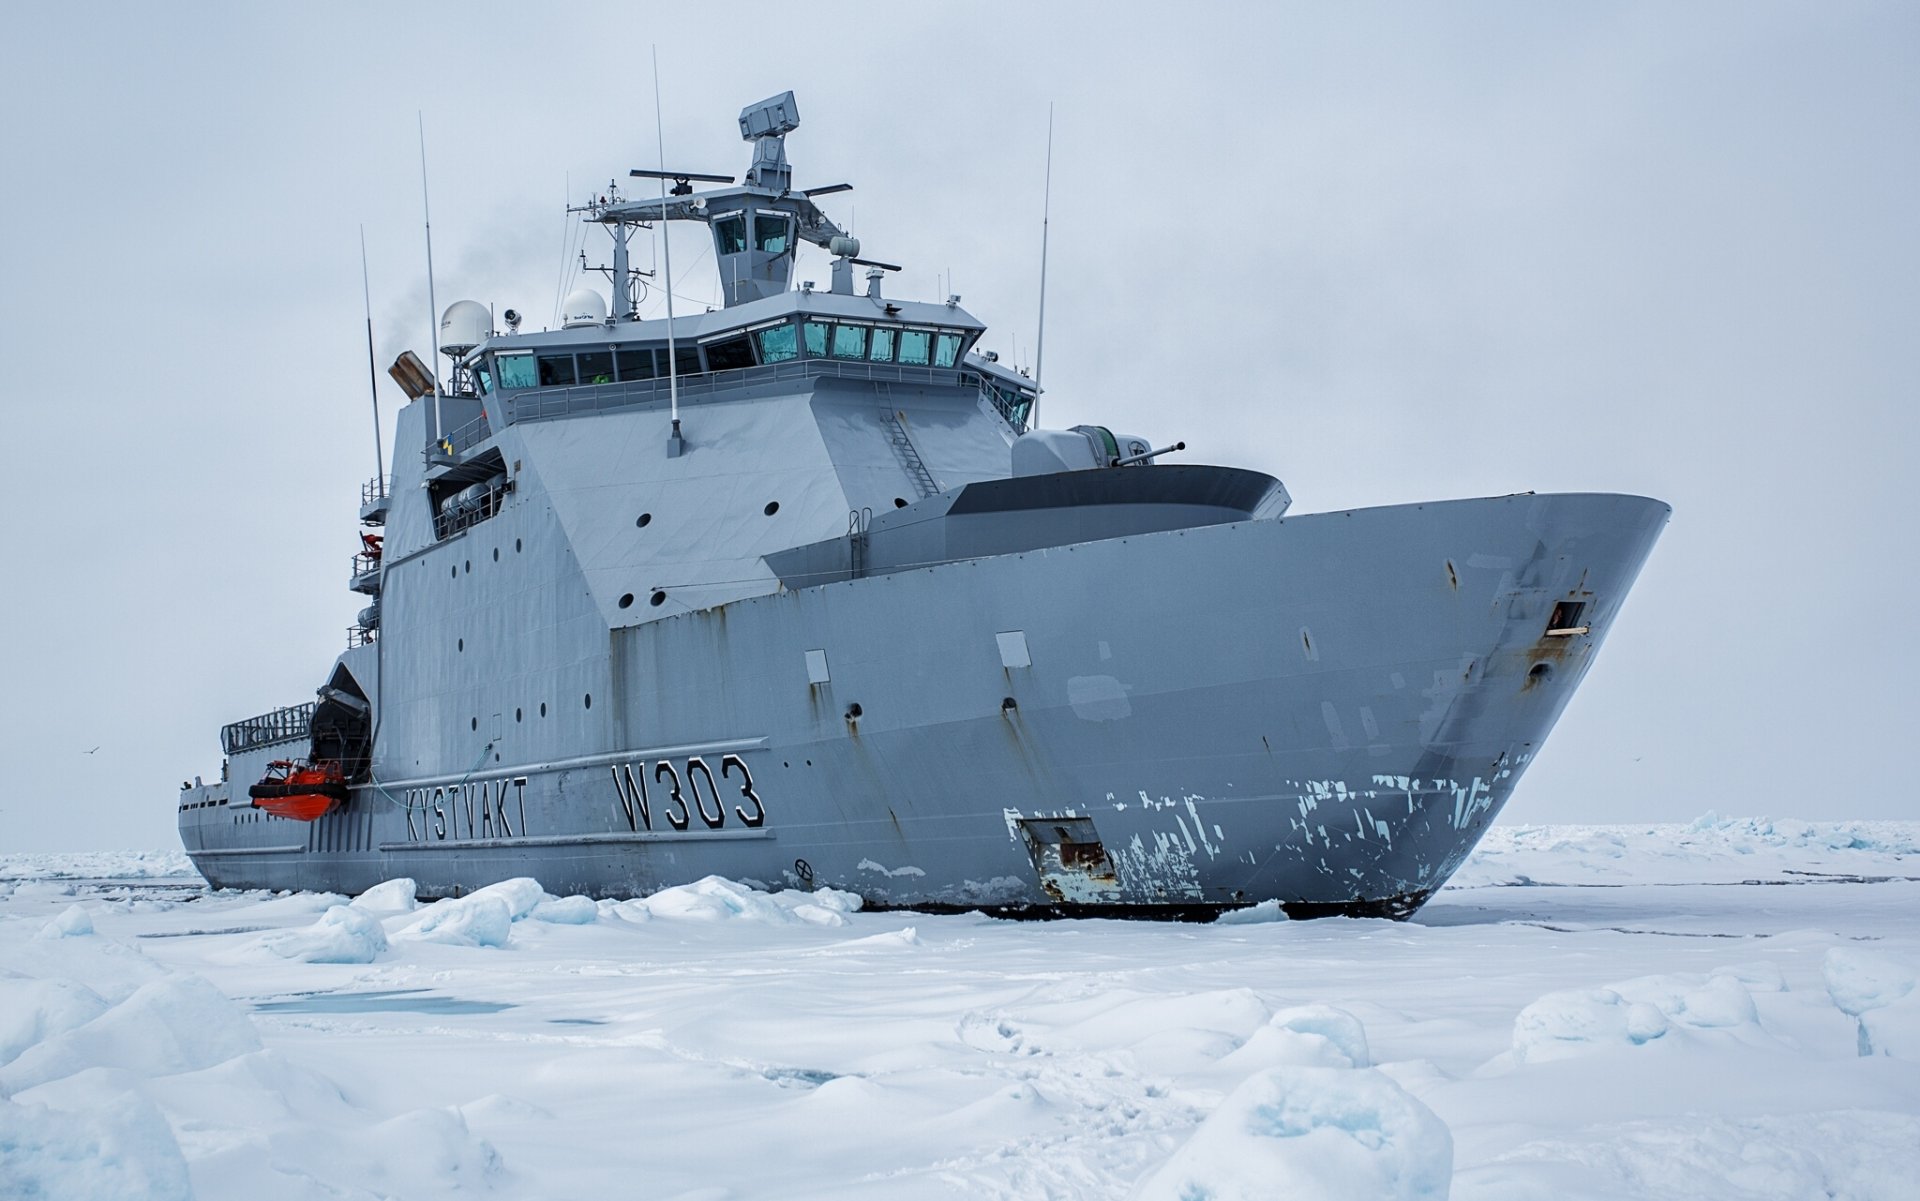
(282, 725)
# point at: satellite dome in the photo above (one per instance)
(583, 308)
(463, 326)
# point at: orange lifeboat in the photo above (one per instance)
(300, 790)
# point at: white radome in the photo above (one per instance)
(582, 308)
(464, 325)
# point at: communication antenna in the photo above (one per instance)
(674, 443)
(373, 380)
(433, 307)
(1040, 340)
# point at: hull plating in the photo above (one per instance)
(1326, 711)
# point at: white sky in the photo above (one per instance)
(1388, 253)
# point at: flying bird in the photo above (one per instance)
(94, 749)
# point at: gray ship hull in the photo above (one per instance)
(1325, 710)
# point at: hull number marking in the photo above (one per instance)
(683, 794)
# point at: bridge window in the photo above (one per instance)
(484, 374)
(730, 234)
(946, 350)
(516, 371)
(914, 344)
(636, 362)
(556, 370)
(880, 349)
(778, 344)
(816, 333)
(686, 359)
(729, 353)
(771, 233)
(849, 342)
(596, 367)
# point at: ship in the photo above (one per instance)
(796, 591)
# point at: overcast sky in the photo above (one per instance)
(1388, 253)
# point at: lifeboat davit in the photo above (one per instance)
(299, 790)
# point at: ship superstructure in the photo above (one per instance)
(788, 591)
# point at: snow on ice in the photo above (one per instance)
(1728, 1010)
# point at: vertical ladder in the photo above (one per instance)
(903, 447)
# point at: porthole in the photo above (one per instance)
(626, 600)
(657, 599)
(460, 645)
(899, 502)
(589, 700)
(496, 554)
(516, 546)
(543, 708)
(516, 715)
(773, 506)
(469, 566)
(453, 572)
(643, 520)
(474, 724)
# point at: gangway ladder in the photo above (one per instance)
(903, 448)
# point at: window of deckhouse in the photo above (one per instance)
(686, 359)
(880, 347)
(729, 353)
(730, 233)
(556, 370)
(778, 344)
(946, 350)
(849, 341)
(516, 371)
(484, 373)
(596, 367)
(636, 362)
(816, 336)
(772, 233)
(914, 345)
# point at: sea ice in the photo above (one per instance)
(175, 1024)
(1578, 1021)
(1862, 980)
(344, 934)
(72, 922)
(566, 911)
(390, 896)
(122, 1149)
(1311, 1134)
(1879, 992)
(481, 919)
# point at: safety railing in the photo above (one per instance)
(468, 436)
(281, 725)
(375, 489)
(457, 515)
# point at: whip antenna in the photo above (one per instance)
(1040, 339)
(433, 307)
(666, 246)
(373, 379)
